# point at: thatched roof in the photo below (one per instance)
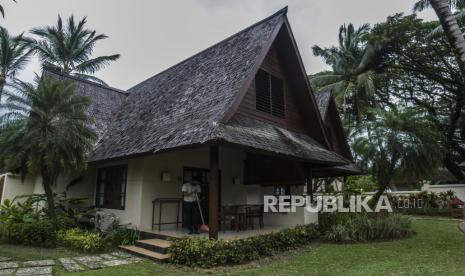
(185, 105)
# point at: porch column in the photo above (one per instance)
(309, 178)
(213, 193)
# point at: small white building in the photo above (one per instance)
(241, 115)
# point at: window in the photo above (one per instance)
(269, 94)
(111, 187)
(282, 191)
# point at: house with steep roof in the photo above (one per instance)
(240, 115)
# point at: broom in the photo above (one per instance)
(203, 226)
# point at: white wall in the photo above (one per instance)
(13, 187)
(458, 189)
(144, 184)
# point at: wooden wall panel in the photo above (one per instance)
(293, 119)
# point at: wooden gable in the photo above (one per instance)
(300, 110)
(292, 118)
(335, 132)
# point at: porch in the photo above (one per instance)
(225, 235)
(231, 176)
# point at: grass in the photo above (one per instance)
(438, 248)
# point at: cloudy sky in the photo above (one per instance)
(152, 35)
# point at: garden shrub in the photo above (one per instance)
(122, 236)
(348, 228)
(203, 252)
(81, 240)
(34, 233)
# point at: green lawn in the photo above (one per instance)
(438, 248)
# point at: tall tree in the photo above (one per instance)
(69, 48)
(14, 55)
(44, 132)
(422, 71)
(449, 24)
(352, 79)
(398, 141)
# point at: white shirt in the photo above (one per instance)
(189, 188)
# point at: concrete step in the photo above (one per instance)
(157, 245)
(144, 253)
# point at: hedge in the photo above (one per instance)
(359, 227)
(206, 253)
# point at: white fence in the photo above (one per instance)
(458, 189)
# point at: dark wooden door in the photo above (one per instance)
(190, 173)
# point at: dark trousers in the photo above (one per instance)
(191, 215)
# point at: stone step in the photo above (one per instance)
(157, 245)
(144, 253)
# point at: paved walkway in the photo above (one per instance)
(74, 264)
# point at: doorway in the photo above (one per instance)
(204, 175)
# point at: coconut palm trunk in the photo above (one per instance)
(2, 85)
(452, 30)
(47, 182)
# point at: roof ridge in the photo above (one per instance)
(50, 70)
(282, 11)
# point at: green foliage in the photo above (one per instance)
(429, 200)
(357, 227)
(69, 48)
(2, 11)
(203, 252)
(352, 79)
(45, 130)
(14, 55)
(122, 236)
(398, 141)
(40, 233)
(81, 240)
(421, 71)
(360, 184)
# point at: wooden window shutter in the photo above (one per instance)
(262, 88)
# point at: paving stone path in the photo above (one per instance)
(74, 264)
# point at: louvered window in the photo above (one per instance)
(269, 94)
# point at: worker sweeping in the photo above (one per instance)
(191, 205)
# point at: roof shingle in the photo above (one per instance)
(105, 100)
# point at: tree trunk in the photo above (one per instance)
(47, 181)
(452, 30)
(2, 85)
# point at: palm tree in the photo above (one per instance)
(44, 132)
(396, 142)
(2, 11)
(352, 79)
(14, 55)
(449, 24)
(69, 49)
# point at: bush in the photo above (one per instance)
(81, 240)
(203, 252)
(122, 236)
(348, 228)
(35, 233)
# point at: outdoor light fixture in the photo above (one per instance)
(166, 176)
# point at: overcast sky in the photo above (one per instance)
(152, 35)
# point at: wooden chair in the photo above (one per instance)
(251, 213)
(229, 214)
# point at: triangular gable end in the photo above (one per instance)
(281, 59)
(335, 130)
